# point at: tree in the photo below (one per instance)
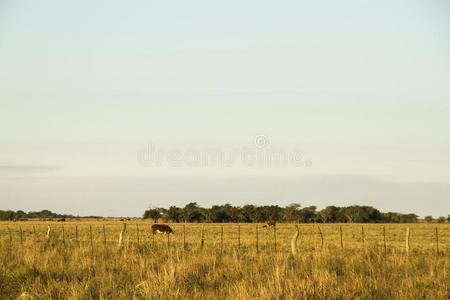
(153, 213)
(220, 214)
(291, 213)
(174, 214)
(441, 220)
(248, 213)
(308, 214)
(329, 214)
(429, 219)
(193, 213)
(409, 218)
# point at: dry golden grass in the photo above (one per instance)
(36, 268)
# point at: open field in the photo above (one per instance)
(83, 260)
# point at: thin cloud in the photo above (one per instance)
(16, 168)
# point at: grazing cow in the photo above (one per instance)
(162, 228)
(264, 227)
(62, 220)
(271, 224)
(23, 219)
(122, 220)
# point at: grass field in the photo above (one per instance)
(71, 265)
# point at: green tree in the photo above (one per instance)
(153, 213)
(329, 214)
(308, 214)
(193, 213)
(429, 219)
(291, 213)
(174, 214)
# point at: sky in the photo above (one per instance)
(109, 107)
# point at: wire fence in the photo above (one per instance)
(405, 238)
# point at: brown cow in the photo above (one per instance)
(264, 227)
(162, 228)
(62, 220)
(271, 224)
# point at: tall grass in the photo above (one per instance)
(93, 269)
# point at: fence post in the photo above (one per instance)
(202, 237)
(153, 238)
(184, 236)
(34, 234)
(168, 240)
(122, 233)
(294, 241)
(137, 234)
(239, 237)
(257, 239)
(221, 238)
(10, 239)
(340, 233)
(48, 232)
(76, 233)
(437, 242)
(362, 237)
(92, 242)
(321, 236)
(275, 237)
(63, 238)
(104, 235)
(21, 236)
(384, 242)
(407, 241)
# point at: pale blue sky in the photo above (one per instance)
(362, 87)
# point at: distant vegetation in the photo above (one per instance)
(291, 213)
(6, 215)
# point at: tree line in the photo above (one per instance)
(9, 215)
(227, 213)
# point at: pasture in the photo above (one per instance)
(84, 260)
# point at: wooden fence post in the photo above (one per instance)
(21, 239)
(221, 238)
(362, 237)
(202, 237)
(184, 236)
(168, 240)
(407, 241)
(294, 241)
(437, 242)
(321, 236)
(63, 235)
(76, 233)
(340, 234)
(153, 238)
(34, 235)
(137, 234)
(239, 237)
(122, 234)
(48, 232)
(104, 235)
(10, 239)
(384, 243)
(92, 242)
(21, 236)
(257, 239)
(275, 237)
